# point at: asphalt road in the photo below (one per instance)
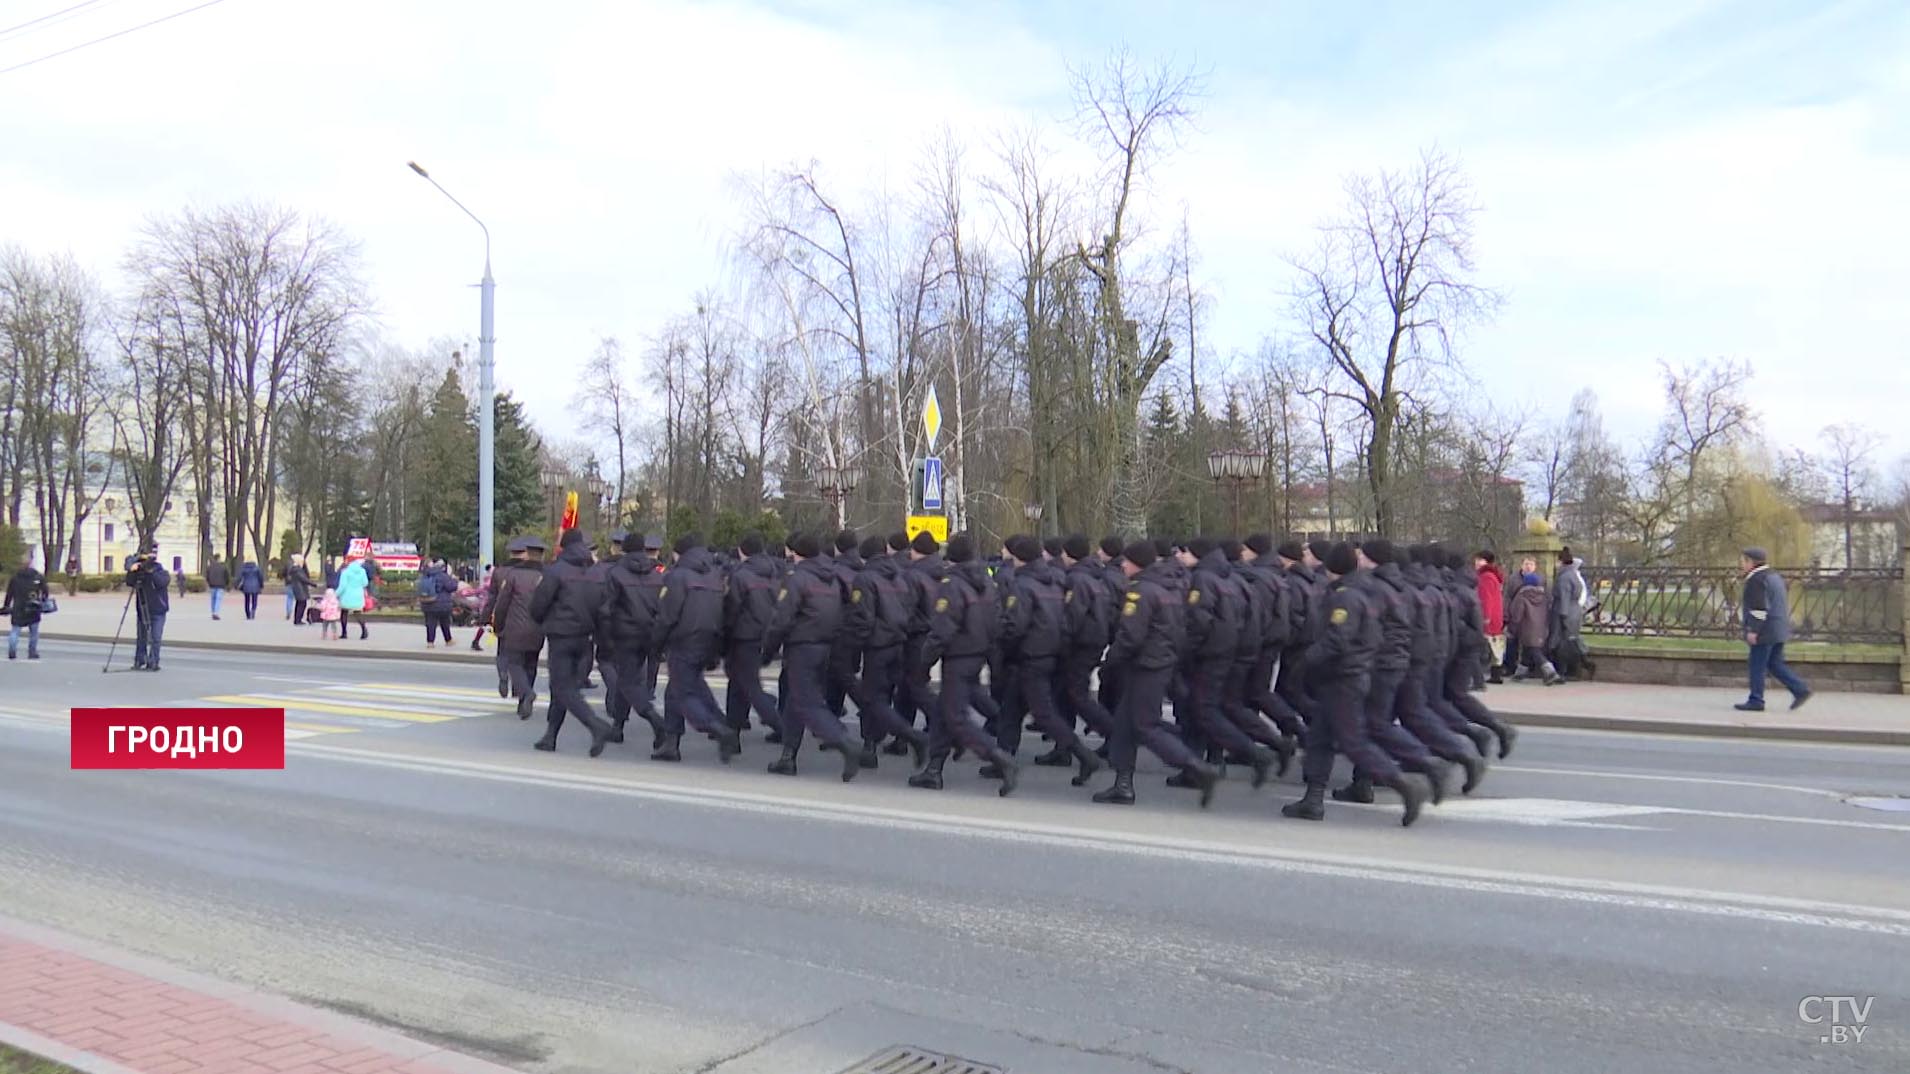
(1608, 902)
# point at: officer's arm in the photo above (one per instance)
(669, 611)
(859, 612)
(1342, 621)
(1200, 614)
(942, 625)
(788, 603)
(1013, 620)
(543, 597)
(1131, 633)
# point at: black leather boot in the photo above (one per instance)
(930, 777)
(1262, 761)
(871, 757)
(729, 744)
(503, 685)
(1205, 780)
(1508, 734)
(1311, 806)
(1410, 795)
(1475, 771)
(524, 704)
(548, 743)
(1481, 739)
(786, 764)
(1055, 758)
(1286, 748)
(851, 761)
(655, 719)
(1122, 792)
(1089, 761)
(668, 749)
(616, 730)
(1437, 776)
(898, 748)
(1007, 771)
(1360, 790)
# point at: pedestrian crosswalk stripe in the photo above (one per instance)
(431, 706)
(300, 704)
(317, 728)
(459, 706)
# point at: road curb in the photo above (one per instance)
(47, 1048)
(1839, 736)
(327, 649)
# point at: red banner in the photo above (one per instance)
(201, 738)
(570, 512)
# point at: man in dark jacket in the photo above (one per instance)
(627, 626)
(1115, 582)
(1261, 569)
(565, 604)
(1090, 613)
(876, 622)
(1445, 736)
(218, 580)
(1303, 628)
(962, 625)
(519, 639)
(689, 631)
(437, 596)
(1034, 622)
(1216, 615)
(842, 655)
(749, 602)
(26, 597)
(1147, 644)
(1470, 651)
(1340, 665)
(148, 581)
(925, 572)
(806, 626)
(1767, 626)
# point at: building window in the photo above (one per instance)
(191, 508)
(109, 564)
(112, 504)
(108, 538)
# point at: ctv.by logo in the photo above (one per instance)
(1841, 1018)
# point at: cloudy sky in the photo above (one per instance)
(1662, 179)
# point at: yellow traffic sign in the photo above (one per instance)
(935, 526)
(931, 417)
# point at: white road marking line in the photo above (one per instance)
(1668, 898)
(1656, 778)
(449, 706)
(295, 679)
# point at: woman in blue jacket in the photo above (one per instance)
(251, 583)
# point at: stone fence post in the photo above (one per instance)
(1539, 542)
(1903, 657)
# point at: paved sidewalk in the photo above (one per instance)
(1859, 719)
(108, 1012)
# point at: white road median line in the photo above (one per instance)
(1767, 908)
(1645, 777)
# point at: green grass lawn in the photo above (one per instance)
(1625, 643)
(13, 1061)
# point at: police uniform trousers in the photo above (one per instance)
(808, 664)
(1459, 695)
(1416, 715)
(629, 688)
(872, 691)
(1077, 691)
(1032, 693)
(1340, 724)
(1382, 706)
(1291, 684)
(570, 659)
(1240, 707)
(1207, 703)
(1138, 721)
(688, 695)
(953, 725)
(842, 674)
(914, 695)
(606, 656)
(743, 663)
(521, 665)
(1261, 695)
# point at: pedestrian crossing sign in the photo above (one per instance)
(931, 417)
(931, 484)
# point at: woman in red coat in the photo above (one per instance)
(1492, 603)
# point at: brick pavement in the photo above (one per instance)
(105, 1012)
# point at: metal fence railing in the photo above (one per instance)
(1855, 606)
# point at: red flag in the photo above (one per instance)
(570, 512)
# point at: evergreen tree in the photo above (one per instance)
(447, 486)
(518, 498)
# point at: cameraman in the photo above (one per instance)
(148, 581)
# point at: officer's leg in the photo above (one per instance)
(1207, 698)
(736, 695)
(1012, 707)
(677, 692)
(1263, 697)
(1473, 710)
(842, 670)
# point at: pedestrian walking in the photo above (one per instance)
(1492, 606)
(1565, 647)
(251, 584)
(148, 581)
(689, 627)
(1034, 627)
(805, 626)
(437, 596)
(354, 595)
(218, 580)
(25, 603)
(963, 623)
(298, 586)
(632, 599)
(1767, 626)
(519, 638)
(749, 603)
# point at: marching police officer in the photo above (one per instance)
(689, 631)
(806, 626)
(1340, 664)
(1385, 588)
(1470, 650)
(519, 638)
(1091, 615)
(1147, 644)
(876, 623)
(565, 605)
(749, 603)
(632, 601)
(842, 655)
(1216, 614)
(962, 627)
(1033, 621)
(925, 573)
(515, 547)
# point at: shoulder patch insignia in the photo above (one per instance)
(1068, 598)
(1193, 596)
(1011, 600)
(1338, 616)
(781, 592)
(855, 596)
(1128, 608)
(1133, 596)
(941, 604)
(663, 592)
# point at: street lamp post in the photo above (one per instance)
(552, 478)
(487, 386)
(1236, 467)
(1032, 511)
(836, 483)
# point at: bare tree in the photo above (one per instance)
(1134, 114)
(147, 408)
(1706, 416)
(1848, 449)
(608, 406)
(1385, 292)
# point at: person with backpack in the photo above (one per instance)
(26, 602)
(1262, 570)
(876, 622)
(805, 628)
(437, 596)
(1034, 621)
(251, 584)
